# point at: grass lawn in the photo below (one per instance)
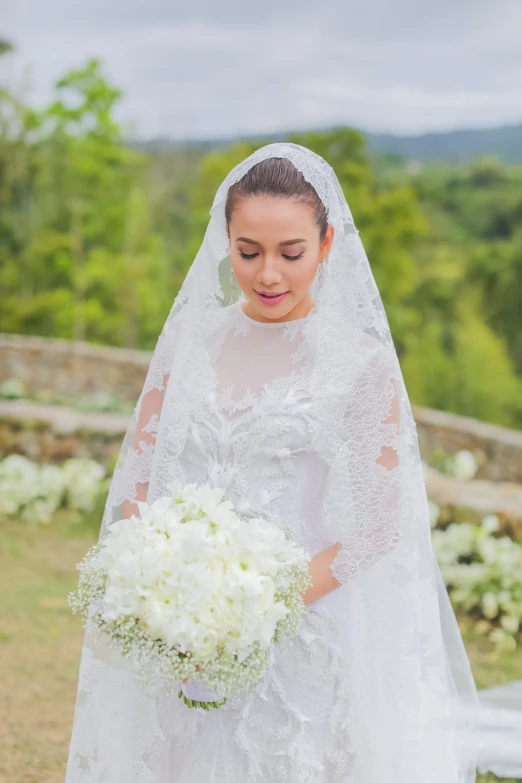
(40, 642)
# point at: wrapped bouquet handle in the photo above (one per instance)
(195, 695)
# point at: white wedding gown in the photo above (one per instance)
(251, 438)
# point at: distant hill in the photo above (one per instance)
(458, 146)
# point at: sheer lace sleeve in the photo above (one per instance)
(143, 446)
(372, 432)
(138, 461)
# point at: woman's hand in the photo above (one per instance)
(323, 581)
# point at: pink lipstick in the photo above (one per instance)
(271, 299)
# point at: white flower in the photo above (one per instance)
(490, 605)
(33, 493)
(503, 639)
(464, 575)
(509, 623)
(490, 523)
(191, 574)
(51, 483)
(488, 549)
(82, 479)
(457, 540)
(463, 465)
(483, 571)
(28, 491)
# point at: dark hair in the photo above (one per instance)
(277, 177)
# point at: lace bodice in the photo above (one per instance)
(253, 436)
(259, 425)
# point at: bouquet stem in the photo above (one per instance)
(205, 705)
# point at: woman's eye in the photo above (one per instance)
(253, 255)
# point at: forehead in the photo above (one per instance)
(270, 215)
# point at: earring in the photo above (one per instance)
(321, 273)
(232, 286)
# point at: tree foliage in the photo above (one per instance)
(97, 237)
(78, 257)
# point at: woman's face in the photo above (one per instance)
(275, 248)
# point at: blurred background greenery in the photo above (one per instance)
(96, 236)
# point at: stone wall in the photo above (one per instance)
(52, 433)
(72, 370)
(498, 450)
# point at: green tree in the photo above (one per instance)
(5, 47)
(469, 274)
(91, 266)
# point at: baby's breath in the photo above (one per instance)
(136, 602)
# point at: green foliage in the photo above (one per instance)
(497, 268)
(78, 258)
(96, 239)
(474, 377)
(6, 47)
(467, 355)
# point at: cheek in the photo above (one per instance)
(300, 275)
(245, 274)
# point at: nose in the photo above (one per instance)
(269, 274)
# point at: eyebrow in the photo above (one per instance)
(286, 242)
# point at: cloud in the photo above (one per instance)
(212, 69)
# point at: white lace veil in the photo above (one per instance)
(406, 669)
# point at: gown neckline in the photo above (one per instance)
(273, 324)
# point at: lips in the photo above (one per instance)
(271, 298)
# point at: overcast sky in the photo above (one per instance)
(211, 68)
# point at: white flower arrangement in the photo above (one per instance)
(33, 493)
(190, 590)
(81, 480)
(483, 574)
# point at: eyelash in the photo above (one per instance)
(253, 255)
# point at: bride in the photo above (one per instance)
(275, 378)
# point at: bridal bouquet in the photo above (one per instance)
(189, 589)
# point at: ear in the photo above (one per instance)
(327, 241)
